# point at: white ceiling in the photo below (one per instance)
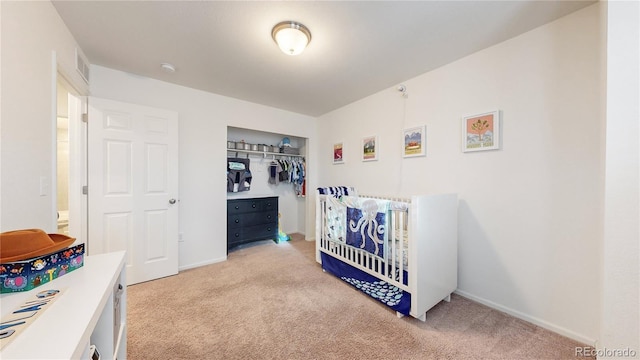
(357, 49)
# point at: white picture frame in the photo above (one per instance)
(369, 148)
(481, 132)
(338, 153)
(414, 141)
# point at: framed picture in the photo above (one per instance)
(337, 153)
(369, 148)
(481, 132)
(414, 141)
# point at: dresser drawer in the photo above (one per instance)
(250, 219)
(240, 206)
(251, 233)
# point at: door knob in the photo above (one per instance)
(172, 201)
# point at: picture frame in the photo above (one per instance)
(369, 148)
(414, 141)
(338, 153)
(481, 132)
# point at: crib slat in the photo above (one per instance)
(393, 243)
(401, 260)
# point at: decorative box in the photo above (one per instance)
(28, 274)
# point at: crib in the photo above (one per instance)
(400, 251)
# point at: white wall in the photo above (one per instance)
(35, 42)
(621, 294)
(203, 122)
(530, 214)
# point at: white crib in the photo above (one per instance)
(420, 237)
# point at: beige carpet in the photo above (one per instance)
(272, 301)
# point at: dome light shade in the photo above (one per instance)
(291, 37)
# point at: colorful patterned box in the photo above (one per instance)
(29, 274)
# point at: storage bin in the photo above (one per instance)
(243, 146)
(28, 274)
(231, 144)
(290, 150)
(263, 147)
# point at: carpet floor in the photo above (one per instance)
(273, 301)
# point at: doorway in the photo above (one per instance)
(71, 215)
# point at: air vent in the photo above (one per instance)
(82, 65)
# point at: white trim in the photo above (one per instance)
(203, 263)
(532, 319)
(53, 174)
(77, 169)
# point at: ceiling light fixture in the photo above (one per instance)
(291, 37)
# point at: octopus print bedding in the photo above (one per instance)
(362, 223)
(402, 252)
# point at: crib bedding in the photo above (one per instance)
(365, 228)
(390, 295)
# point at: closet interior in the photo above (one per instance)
(265, 165)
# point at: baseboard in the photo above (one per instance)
(196, 265)
(534, 320)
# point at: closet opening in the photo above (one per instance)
(262, 153)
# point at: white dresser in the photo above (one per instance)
(83, 315)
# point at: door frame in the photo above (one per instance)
(77, 177)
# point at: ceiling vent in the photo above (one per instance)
(82, 65)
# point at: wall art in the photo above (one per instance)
(481, 132)
(369, 148)
(414, 141)
(338, 151)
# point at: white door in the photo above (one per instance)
(133, 186)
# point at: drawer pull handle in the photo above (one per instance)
(253, 206)
(237, 221)
(237, 207)
(237, 235)
(269, 217)
(268, 229)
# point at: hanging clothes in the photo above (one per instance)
(274, 172)
(238, 175)
(284, 173)
(298, 184)
(288, 171)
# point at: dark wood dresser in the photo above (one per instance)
(251, 219)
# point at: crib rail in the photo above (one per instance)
(390, 268)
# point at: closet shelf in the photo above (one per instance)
(263, 153)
